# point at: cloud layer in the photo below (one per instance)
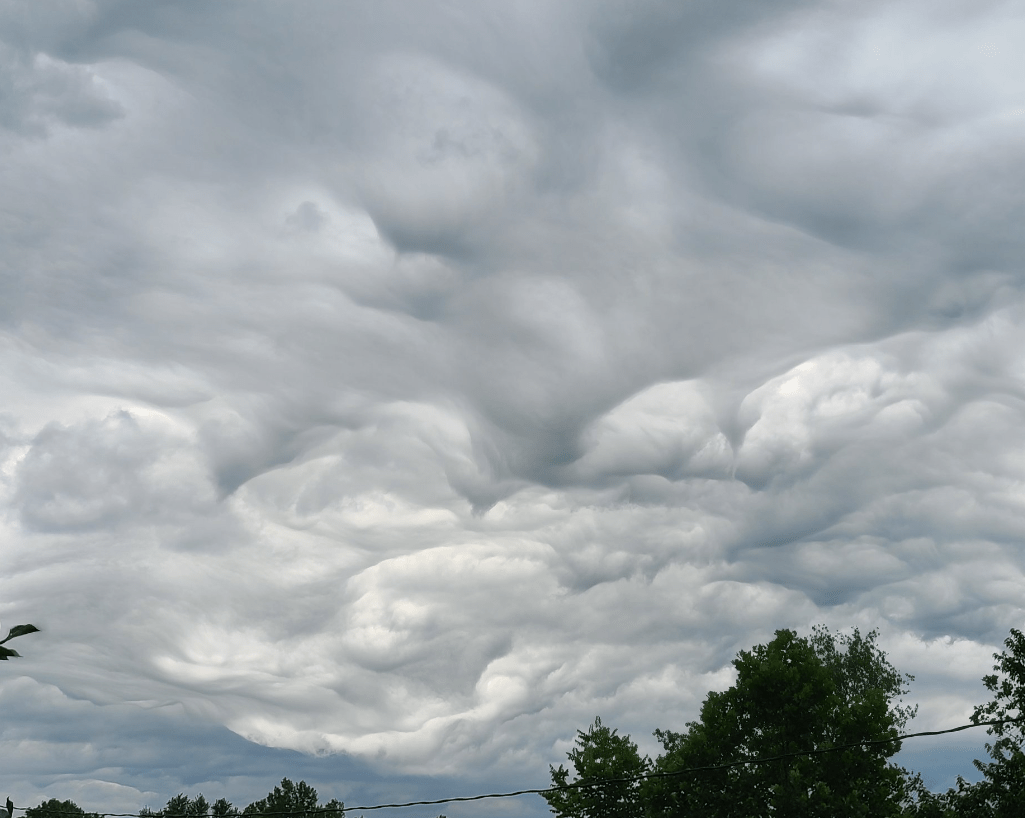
(414, 382)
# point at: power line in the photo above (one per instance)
(584, 783)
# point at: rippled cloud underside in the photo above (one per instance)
(407, 383)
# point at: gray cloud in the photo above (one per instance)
(40, 92)
(416, 382)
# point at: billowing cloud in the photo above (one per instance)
(407, 384)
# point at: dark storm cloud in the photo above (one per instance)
(417, 381)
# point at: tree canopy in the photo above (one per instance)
(54, 808)
(1001, 793)
(295, 799)
(792, 695)
(287, 798)
(598, 755)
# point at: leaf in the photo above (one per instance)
(6, 652)
(20, 630)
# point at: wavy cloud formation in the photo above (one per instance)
(413, 382)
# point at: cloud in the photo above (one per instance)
(456, 150)
(418, 382)
(667, 430)
(102, 473)
(41, 92)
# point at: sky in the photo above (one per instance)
(390, 388)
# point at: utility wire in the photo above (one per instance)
(581, 784)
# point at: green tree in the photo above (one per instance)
(334, 809)
(181, 806)
(17, 630)
(58, 809)
(599, 754)
(295, 799)
(954, 803)
(1001, 793)
(222, 808)
(792, 695)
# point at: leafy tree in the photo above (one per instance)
(58, 809)
(954, 803)
(17, 630)
(1001, 793)
(599, 754)
(295, 799)
(181, 806)
(334, 809)
(222, 808)
(792, 695)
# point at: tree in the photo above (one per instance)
(1001, 793)
(58, 809)
(181, 806)
(954, 803)
(599, 754)
(222, 808)
(335, 809)
(17, 630)
(792, 695)
(295, 799)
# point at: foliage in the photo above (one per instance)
(222, 808)
(181, 806)
(17, 630)
(295, 799)
(954, 803)
(287, 798)
(792, 695)
(599, 754)
(58, 809)
(1001, 793)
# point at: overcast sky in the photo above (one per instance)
(407, 383)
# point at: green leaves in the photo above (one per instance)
(20, 630)
(17, 630)
(54, 808)
(1002, 791)
(293, 799)
(182, 806)
(792, 695)
(599, 754)
(222, 808)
